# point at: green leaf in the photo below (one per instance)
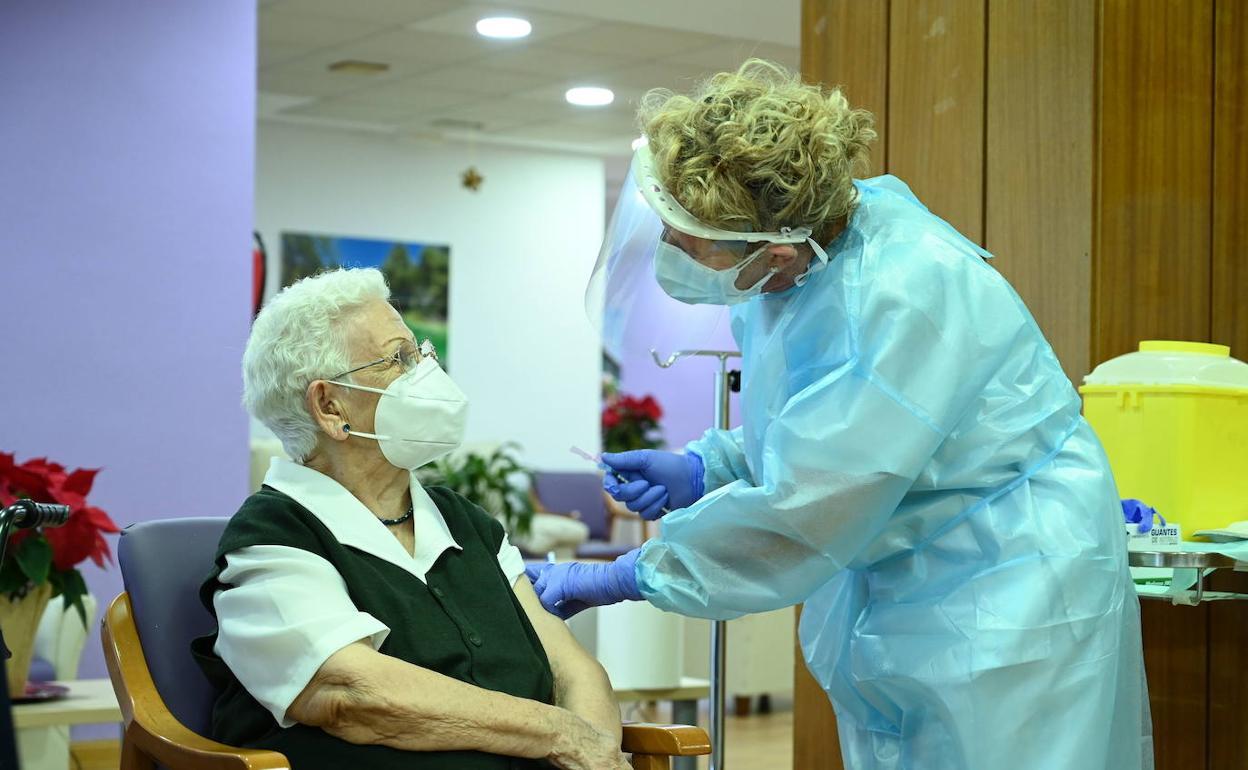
(73, 588)
(12, 579)
(495, 481)
(35, 558)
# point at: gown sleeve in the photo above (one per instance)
(723, 457)
(930, 326)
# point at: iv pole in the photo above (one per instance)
(23, 514)
(727, 381)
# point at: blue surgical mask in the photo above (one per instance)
(691, 282)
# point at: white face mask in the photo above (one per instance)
(691, 282)
(420, 416)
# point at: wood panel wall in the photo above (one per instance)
(1228, 623)
(860, 69)
(1151, 277)
(1152, 272)
(1111, 181)
(1176, 659)
(816, 742)
(845, 43)
(936, 106)
(1227, 729)
(1230, 177)
(1038, 171)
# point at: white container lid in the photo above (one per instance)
(1164, 362)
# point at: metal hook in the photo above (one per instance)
(722, 355)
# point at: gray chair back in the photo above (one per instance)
(163, 564)
(564, 492)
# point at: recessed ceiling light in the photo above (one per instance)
(589, 96)
(506, 27)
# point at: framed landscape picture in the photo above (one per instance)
(418, 273)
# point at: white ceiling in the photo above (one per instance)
(446, 81)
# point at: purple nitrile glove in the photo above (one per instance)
(1140, 513)
(569, 587)
(654, 482)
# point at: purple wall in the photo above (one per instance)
(126, 143)
(686, 391)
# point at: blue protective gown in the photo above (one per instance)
(914, 467)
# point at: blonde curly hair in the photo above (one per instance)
(758, 149)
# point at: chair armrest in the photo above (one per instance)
(665, 740)
(573, 515)
(617, 511)
(152, 729)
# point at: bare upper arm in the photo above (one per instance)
(561, 647)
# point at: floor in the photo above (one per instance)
(758, 742)
(755, 742)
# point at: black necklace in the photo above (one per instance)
(401, 519)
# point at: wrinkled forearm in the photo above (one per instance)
(370, 698)
(583, 688)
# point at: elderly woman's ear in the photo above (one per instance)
(327, 410)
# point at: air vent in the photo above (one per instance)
(358, 67)
(454, 124)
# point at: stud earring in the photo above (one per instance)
(346, 428)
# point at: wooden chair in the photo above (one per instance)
(165, 700)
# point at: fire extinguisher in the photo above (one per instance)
(259, 271)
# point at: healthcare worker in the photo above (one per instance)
(913, 465)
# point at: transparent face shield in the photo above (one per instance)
(625, 301)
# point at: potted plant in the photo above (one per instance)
(496, 481)
(631, 423)
(41, 564)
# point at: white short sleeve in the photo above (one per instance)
(510, 560)
(286, 611)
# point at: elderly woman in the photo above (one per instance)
(365, 621)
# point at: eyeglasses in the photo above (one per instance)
(407, 356)
(703, 250)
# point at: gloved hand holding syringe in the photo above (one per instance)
(649, 482)
(611, 479)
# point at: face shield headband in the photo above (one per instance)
(623, 300)
(675, 217)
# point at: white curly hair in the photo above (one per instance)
(300, 336)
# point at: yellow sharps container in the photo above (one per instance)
(1174, 421)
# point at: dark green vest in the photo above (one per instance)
(463, 622)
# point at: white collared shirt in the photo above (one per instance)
(288, 610)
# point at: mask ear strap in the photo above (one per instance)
(373, 436)
(823, 261)
(347, 428)
(819, 252)
(352, 386)
(751, 257)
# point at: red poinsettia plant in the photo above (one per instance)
(36, 556)
(629, 422)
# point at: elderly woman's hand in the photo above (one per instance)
(580, 747)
